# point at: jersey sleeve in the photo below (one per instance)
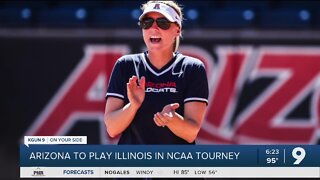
(197, 85)
(116, 87)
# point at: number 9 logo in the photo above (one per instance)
(298, 153)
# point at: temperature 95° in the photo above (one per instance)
(272, 160)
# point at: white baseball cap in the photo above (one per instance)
(165, 10)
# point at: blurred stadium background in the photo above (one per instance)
(259, 14)
(56, 57)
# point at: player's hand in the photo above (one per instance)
(166, 115)
(135, 91)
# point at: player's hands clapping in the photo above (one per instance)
(166, 115)
(136, 91)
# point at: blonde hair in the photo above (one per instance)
(177, 8)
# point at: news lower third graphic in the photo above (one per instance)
(71, 157)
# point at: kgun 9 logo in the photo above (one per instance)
(299, 154)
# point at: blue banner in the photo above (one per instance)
(170, 156)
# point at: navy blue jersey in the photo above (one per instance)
(182, 80)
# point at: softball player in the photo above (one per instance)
(158, 96)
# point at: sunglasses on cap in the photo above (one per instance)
(162, 23)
